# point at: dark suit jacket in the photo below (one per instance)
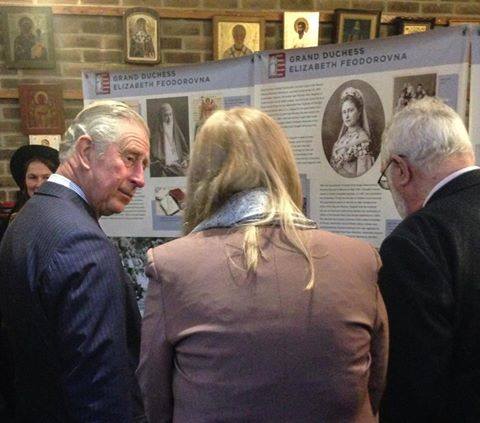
(70, 314)
(221, 345)
(430, 281)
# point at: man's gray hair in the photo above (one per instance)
(99, 120)
(426, 132)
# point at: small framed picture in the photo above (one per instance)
(412, 26)
(41, 108)
(300, 29)
(355, 25)
(141, 36)
(47, 140)
(28, 37)
(237, 36)
(463, 21)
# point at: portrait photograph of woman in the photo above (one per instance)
(351, 128)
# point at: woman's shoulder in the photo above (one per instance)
(193, 245)
(340, 247)
(321, 235)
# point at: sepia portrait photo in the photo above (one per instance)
(168, 120)
(28, 35)
(412, 87)
(237, 37)
(141, 36)
(356, 25)
(300, 29)
(352, 126)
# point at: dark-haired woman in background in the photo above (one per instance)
(31, 165)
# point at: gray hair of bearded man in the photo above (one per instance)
(426, 132)
(100, 121)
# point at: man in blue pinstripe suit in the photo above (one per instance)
(70, 314)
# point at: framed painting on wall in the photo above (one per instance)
(300, 29)
(412, 26)
(28, 36)
(355, 25)
(41, 108)
(237, 36)
(141, 36)
(463, 21)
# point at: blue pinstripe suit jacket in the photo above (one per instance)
(71, 316)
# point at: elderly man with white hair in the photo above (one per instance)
(70, 313)
(430, 278)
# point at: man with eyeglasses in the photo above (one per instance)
(430, 279)
(70, 313)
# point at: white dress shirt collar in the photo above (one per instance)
(62, 180)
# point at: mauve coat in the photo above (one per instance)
(221, 345)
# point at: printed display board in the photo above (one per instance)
(333, 102)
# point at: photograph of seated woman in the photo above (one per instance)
(256, 315)
(31, 166)
(351, 153)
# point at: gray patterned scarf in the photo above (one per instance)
(243, 208)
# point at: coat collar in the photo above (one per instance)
(461, 182)
(56, 190)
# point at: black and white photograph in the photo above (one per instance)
(352, 126)
(412, 87)
(169, 134)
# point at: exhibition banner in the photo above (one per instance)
(333, 102)
(174, 102)
(474, 110)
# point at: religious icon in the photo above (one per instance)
(300, 29)
(142, 39)
(356, 25)
(41, 108)
(29, 37)
(237, 37)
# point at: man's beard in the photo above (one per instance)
(399, 203)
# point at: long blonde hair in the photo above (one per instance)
(238, 150)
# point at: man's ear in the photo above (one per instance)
(85, 151)
(403, 170)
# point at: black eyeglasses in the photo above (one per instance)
(383, 181)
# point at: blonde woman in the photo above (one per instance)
(255, 315)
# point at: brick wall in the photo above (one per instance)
(86, 41)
